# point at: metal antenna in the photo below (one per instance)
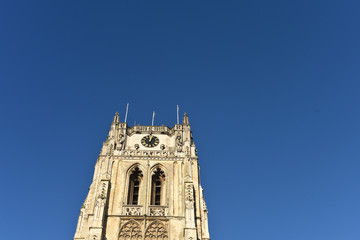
(127, 109)
(177, 113)
(152, 123)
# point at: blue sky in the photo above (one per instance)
(271, 89)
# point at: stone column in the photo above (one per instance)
(97, 226)
(190, 228)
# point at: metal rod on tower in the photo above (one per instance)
(177, 113)
(152, 123)
(127, 109)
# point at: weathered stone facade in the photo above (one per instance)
(146, 186)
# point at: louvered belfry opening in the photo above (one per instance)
(157, 187)
(134, 186)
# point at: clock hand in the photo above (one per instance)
(150, 138)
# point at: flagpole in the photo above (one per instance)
(177, 113)
(152, 123)
(127, 109)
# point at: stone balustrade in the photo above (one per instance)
(158, 211)
(132, 210)
(146, 153)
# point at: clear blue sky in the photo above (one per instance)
(271, 89)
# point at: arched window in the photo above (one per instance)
(134, 186)
(156, 231)
(157, 187)
(130, 231)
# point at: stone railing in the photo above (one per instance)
(153, 129)
(132, 210)
(146, 153)
(158, 210)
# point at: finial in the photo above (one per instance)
(186, 119)
(116, 118)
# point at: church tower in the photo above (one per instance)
(146, 186)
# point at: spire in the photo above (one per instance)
(186, 120)
(116, 118)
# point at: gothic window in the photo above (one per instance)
(157, 187)
(156, 231)
(134, 186)
(130, 231)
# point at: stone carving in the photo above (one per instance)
(136, 170)
(146, 153)
(103, 191)
(130, 231)
(99, 208)
(162, 147)
(158, 211)
(136, 146)
(132, 210)
(189, 192)
(187, 151)
(100, 202)
(148, 129)
(158, 170)
(110, 149)
(94, 237)
(189, 204)
(179, 144)
(189, 196)
(156, 231)
(204, 204)
(121, 142)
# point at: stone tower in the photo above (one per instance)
(146, 186)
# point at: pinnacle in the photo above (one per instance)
(116, 118)
(186, 119)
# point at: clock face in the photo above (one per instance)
(150, 141)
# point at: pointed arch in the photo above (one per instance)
(158, 188)
(156, 231)
(132, 168)
(135, 176)
(130, 231)
(156, 166)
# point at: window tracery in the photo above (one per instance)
(156, 231)
(157, 186)
(134, 186)
(130, 231)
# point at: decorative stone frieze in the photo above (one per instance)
(146, 153)
(147, 129)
